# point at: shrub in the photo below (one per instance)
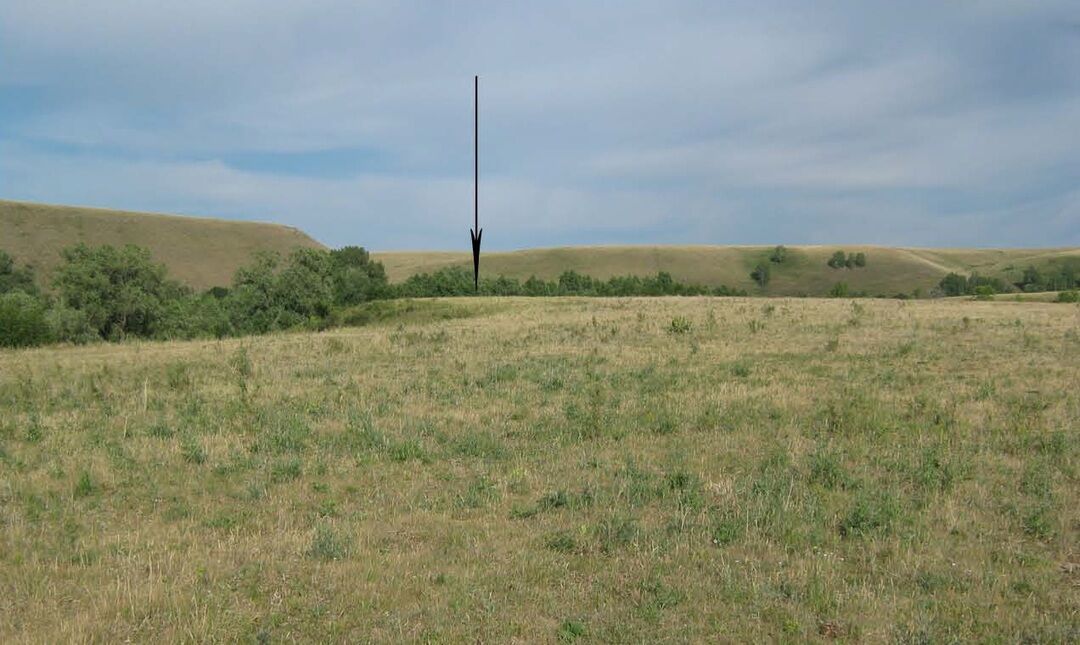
(839, 290)
(984, 292)
(778, 255)
(1068, 296)
(22, 320)
(860, 259)
(67, 325)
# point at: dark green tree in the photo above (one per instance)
(760, 274)
(121, 291)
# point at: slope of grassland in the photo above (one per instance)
(200, 252)
(888, 271)
(542, 470)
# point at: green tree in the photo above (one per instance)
(953, 284)
(357, 278)
(860, 259)
(778, 255)
(760, 274)
(838, 260)
(120, 290)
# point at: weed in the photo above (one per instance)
(680, 325)
(615, 532)
(570, 631)
(285, 471)
(327, 544)
(84, 487)
(871, 513)
(741, 368)
(192, 451)
(827, 471)
(177, 377)
(243, 372)
(560, 542)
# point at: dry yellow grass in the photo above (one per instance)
(628, 470)
(200, 252)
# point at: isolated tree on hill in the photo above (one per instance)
(778, 255)
(760, 274)
(838, 260)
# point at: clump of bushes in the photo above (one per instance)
(955, 284)
(841, 260)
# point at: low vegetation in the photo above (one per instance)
(554, 470)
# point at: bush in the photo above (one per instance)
(860, 259)
(1068, 296)
(22, 320)
(838, 260)
(778, 255)
(984, 292)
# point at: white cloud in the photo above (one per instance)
(641, 121)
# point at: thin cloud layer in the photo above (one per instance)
(676, 122)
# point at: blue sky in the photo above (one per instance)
(914, 123)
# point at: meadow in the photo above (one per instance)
(555, 470)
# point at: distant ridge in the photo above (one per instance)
(198, 251)
(888, 270)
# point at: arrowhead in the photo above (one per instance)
(476, 256)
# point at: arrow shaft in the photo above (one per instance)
(476, 153)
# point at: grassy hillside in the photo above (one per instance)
(200, 252)
(888, 270)
(555, 470)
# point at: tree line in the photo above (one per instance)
(1064, 276)
(111, 293)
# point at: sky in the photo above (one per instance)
(896, 123)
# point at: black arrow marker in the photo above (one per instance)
(476, 231)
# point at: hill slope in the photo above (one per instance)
(200, 252)
(889, 270)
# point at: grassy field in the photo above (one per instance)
(198, 251)
(555, 470)
(889, 270)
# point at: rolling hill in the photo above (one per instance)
(201, 252)
(205, 252)
(889, 270)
